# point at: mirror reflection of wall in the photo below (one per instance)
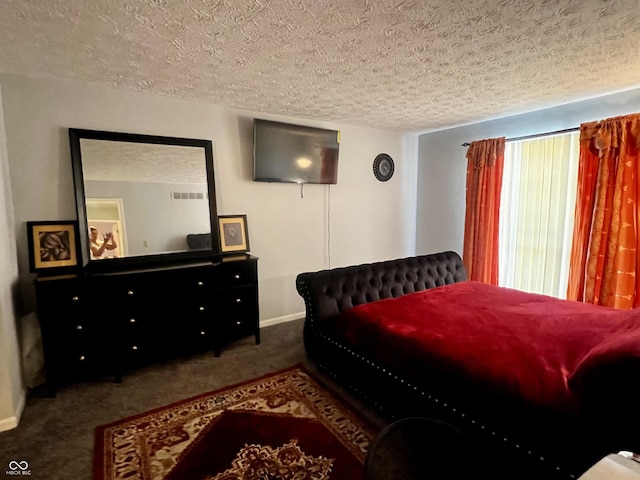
(156, 221)
(162, 188)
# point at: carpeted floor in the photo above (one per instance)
(56, 436)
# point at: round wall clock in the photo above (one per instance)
(383, 167)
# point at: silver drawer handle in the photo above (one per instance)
(130, 293)
(79, 327)
(75, 299)
(132, 320)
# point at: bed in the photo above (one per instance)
(543, 385)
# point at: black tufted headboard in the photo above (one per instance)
(328, 292)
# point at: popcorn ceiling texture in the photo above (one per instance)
(405, 65)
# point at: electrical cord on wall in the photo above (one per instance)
(328, 220)
(329, 227)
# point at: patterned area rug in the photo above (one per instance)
(280, 426)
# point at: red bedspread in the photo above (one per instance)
(519, 344)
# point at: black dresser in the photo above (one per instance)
(105, 324)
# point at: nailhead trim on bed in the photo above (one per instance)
(429, 396)
(452, 273)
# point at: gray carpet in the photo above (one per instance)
(56, 436)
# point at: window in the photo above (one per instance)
(536, 213)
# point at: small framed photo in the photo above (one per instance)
(233, 233)
(53, 246)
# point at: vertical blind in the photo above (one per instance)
(536, 213)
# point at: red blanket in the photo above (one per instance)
(518, 344)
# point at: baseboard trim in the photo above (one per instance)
(283, 319)
(12, 422)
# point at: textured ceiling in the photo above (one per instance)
(407, 65)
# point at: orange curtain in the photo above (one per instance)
(484, 183)
(604, 265)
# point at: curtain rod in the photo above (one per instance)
(536, 135)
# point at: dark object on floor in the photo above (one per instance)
(416, 448)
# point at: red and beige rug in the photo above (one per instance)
(280, 426)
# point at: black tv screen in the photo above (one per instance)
(294, 153)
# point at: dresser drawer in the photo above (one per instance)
(60, 300)
(199, 283)
(241, 324)
(135, 353)
(78, 359)
(134, 326)
(132, 294)
(239, 298)
(188, 283)
(199, 334)
(78, 351)
(76, 331)
(118, 320)
(234, 274)
(69, 302)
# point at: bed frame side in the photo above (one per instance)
(546, 446)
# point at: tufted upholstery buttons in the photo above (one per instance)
(326, 293)
(346, 287)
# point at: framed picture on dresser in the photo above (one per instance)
(53, 246)
(233, 233)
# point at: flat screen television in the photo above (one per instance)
(294, 154)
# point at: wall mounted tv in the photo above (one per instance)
(294, 153)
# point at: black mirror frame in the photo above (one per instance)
(116, 264)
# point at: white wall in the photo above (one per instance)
(11, 386)
(442, 162)
(357, 220)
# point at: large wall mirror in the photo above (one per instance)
(143, 198)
